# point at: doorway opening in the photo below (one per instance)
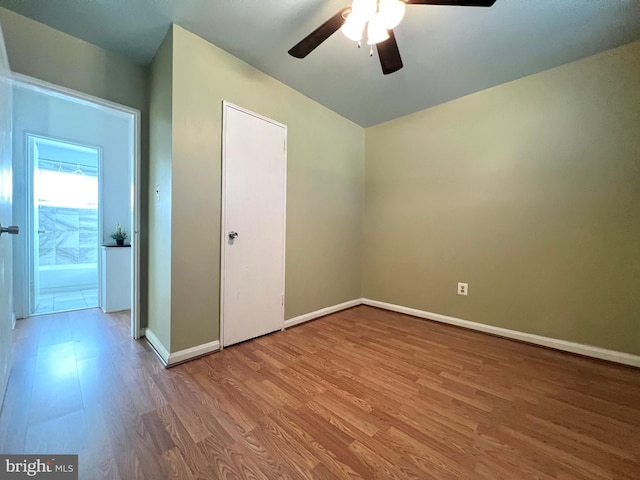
(76, 178)
(65, 179)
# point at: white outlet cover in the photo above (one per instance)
(463, 289)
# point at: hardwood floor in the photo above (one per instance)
(359, 394)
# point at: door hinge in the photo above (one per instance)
(282, 299)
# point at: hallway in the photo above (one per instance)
(64, 373)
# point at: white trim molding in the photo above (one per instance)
(87, 98)
(193, 352)
(157, 345)
(586, 350)
(321, 313)
(170, 359)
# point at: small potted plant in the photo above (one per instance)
(119, 235)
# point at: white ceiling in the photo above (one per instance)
(447, 52)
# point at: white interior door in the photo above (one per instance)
(34, 228)
(253, 225)
(6, 202)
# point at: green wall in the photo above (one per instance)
(42, 52)
(529, 191)
(39, 51)
(160, 151)
(325, 175)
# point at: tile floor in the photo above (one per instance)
(68, 300)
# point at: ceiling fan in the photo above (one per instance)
(379, 17)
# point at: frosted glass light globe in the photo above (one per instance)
(377, 32)
(392, 12)
(353, 28)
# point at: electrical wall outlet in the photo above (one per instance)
(463, 289)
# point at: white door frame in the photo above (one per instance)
(34, 83)
(223, 233)
(32, 252)
(29, 231)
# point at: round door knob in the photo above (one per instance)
(233, 235)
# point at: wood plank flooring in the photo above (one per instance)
(359, 394)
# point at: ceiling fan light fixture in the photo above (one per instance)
(379, 16)
(353, 28)
(363, 10)
(392, 12)
(376, 31)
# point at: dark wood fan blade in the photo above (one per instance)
(389, 54)
(460, 3)
(319, 35)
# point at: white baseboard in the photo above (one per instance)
(157, 345)
(321, 313)
(170, 359)
(563, 345)
(193, 352)
(13, 320)
(587, 350)
(143, 332)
